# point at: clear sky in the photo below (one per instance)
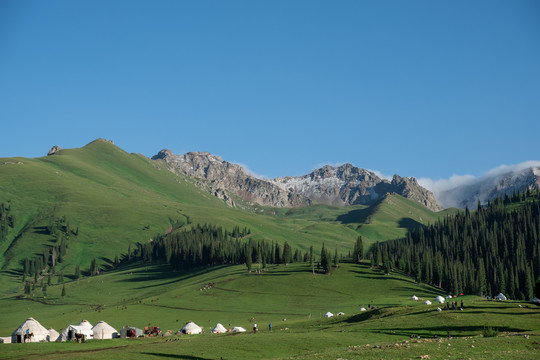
(418, 88)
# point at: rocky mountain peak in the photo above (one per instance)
(340, 186)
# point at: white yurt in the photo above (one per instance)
(414, 297)
(448, 296)
(501, 297)
(363, 309)
(39, 333)
(535, 300)
(102, 330)
(53, 335)
(439, 299)
(427, 302)
(131, 331)
(328, 315)
(340, 313)
(238, 329)
(5, 339)
(439, 309)
(85, 324)
(69, 332)
(218, 329)
(191, 328)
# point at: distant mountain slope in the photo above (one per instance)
(488, 187)
(338, 186)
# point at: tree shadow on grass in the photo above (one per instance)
(176, 356)
(454, 331)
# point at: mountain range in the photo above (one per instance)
(342, 185)
(338, 186)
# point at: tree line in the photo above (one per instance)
(494, 249)
(209, 245)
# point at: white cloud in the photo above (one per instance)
(468, 189)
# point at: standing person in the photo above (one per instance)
(255, 328)
(270, 326)
(461, 304)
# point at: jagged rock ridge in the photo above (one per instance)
(349, 185)
(224, 177)
(343, 185)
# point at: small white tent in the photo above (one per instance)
(340, 313)
(218, 329)
(53, 335)
(448, 296)
(414, 297)
(535, 300)
(501, 297)
(439, 299)
(238, 329)
(191, 328)
(328, 315)
(427, 302)
(102, 330)
(363, 309)
(39, 333)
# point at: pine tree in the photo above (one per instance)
(336, 260)
(77, 272)
(325, 262)
(358, 250)
(311, 260)
(249, 260)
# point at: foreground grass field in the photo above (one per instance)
(153, 295)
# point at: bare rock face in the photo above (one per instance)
(226, 177)
(339, 186)
(54, 150)
(349, 185)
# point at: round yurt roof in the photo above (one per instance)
(191, 328)
(85, 324)
(53, 334)
(328, 314)
(103, 326)
(32, 326)
(363, 309)
(238, 329)
(414, 297)
(535, 300)
(439, 299)
(427, 302)
(219, 329)
(501, 296)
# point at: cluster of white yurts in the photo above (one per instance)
(32, 331)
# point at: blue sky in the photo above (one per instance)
(418, 88)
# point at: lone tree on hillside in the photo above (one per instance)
(358, 252)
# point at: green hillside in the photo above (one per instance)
(114, 199)
(289, 297)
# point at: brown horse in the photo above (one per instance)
(28, 336)
(79, 338)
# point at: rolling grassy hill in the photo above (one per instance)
(114, 198)
(152, 295)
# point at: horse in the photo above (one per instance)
(28, 336)
(79, 338)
